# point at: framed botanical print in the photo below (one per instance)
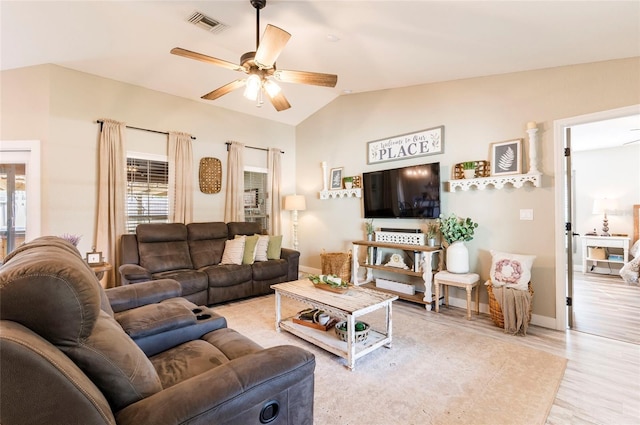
(336, 179)
(506, 157)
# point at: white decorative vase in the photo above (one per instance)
(458, 258)
(469, 174)
(348, 185)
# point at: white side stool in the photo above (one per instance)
(461, 280)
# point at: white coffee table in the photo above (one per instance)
(350, 305)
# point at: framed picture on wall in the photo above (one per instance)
(506, 157)
(336, 179)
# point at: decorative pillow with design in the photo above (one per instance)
(233, 251)
(250, 243)
(261, 247)
(511, 270)
(274, 247)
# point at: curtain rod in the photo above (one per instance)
(143, 129)
(250, 147)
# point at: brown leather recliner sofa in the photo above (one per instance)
(69, 353)
(191, 254)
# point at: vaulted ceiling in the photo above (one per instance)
(370, 45)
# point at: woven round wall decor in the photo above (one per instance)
(210, 175)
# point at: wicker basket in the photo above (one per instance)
(337, 263)
(496, 311)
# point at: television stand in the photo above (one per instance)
(421, 252)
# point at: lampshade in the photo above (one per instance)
(294, 203)
(604, 206)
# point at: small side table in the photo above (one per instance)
(100, 270)
(461, 280)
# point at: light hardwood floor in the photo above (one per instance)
(605, 305)
(601, 384)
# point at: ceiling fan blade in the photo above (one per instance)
(227, 88)
(303, 77)
(273, 41)
(208, 59)
(279, 102)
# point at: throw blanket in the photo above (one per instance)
(515, 305)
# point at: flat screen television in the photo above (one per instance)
(407, 192)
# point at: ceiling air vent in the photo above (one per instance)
(207, 23)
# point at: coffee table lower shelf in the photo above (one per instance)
(329, 341)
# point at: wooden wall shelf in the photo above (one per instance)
(498, 182)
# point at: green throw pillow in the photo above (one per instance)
(249, 249)
(273, 249)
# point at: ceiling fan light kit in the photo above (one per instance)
(260, 66)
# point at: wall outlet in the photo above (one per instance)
(526, 214)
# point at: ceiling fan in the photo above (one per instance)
(261, 67)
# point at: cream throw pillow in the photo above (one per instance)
(233, 251)
(511, 270)
(261, 247)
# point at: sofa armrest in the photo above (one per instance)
(235, 392)
(133, 273)
(293, 261)
(155, 319)
(132, 296)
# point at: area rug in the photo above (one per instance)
(433, 373)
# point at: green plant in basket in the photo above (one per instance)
(469, 165)
(454, 228)
(359, 326)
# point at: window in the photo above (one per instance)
(147, 191)
(255, 195)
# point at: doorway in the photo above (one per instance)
(602, 303)
(19, 193)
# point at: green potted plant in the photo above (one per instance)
(432, 232)
(456, 231)
(368, 225)
(469, 169)
(348, 182)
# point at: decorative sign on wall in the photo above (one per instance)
(410, 145)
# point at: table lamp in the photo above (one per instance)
(602, 206)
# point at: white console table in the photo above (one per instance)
(425, 254)
(604, 242)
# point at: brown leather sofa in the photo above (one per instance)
(191, 254)
(69, 353)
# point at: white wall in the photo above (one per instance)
(613, 173)
(475, 113)
(60, 107)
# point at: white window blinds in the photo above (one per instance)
(147, 192)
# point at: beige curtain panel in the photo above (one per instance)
(180, 178)
(112, 182)
(234, 202)
(274, 178)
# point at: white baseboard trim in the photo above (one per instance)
(310, 270)
(542, 321)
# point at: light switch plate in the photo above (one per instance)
(526, 214)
